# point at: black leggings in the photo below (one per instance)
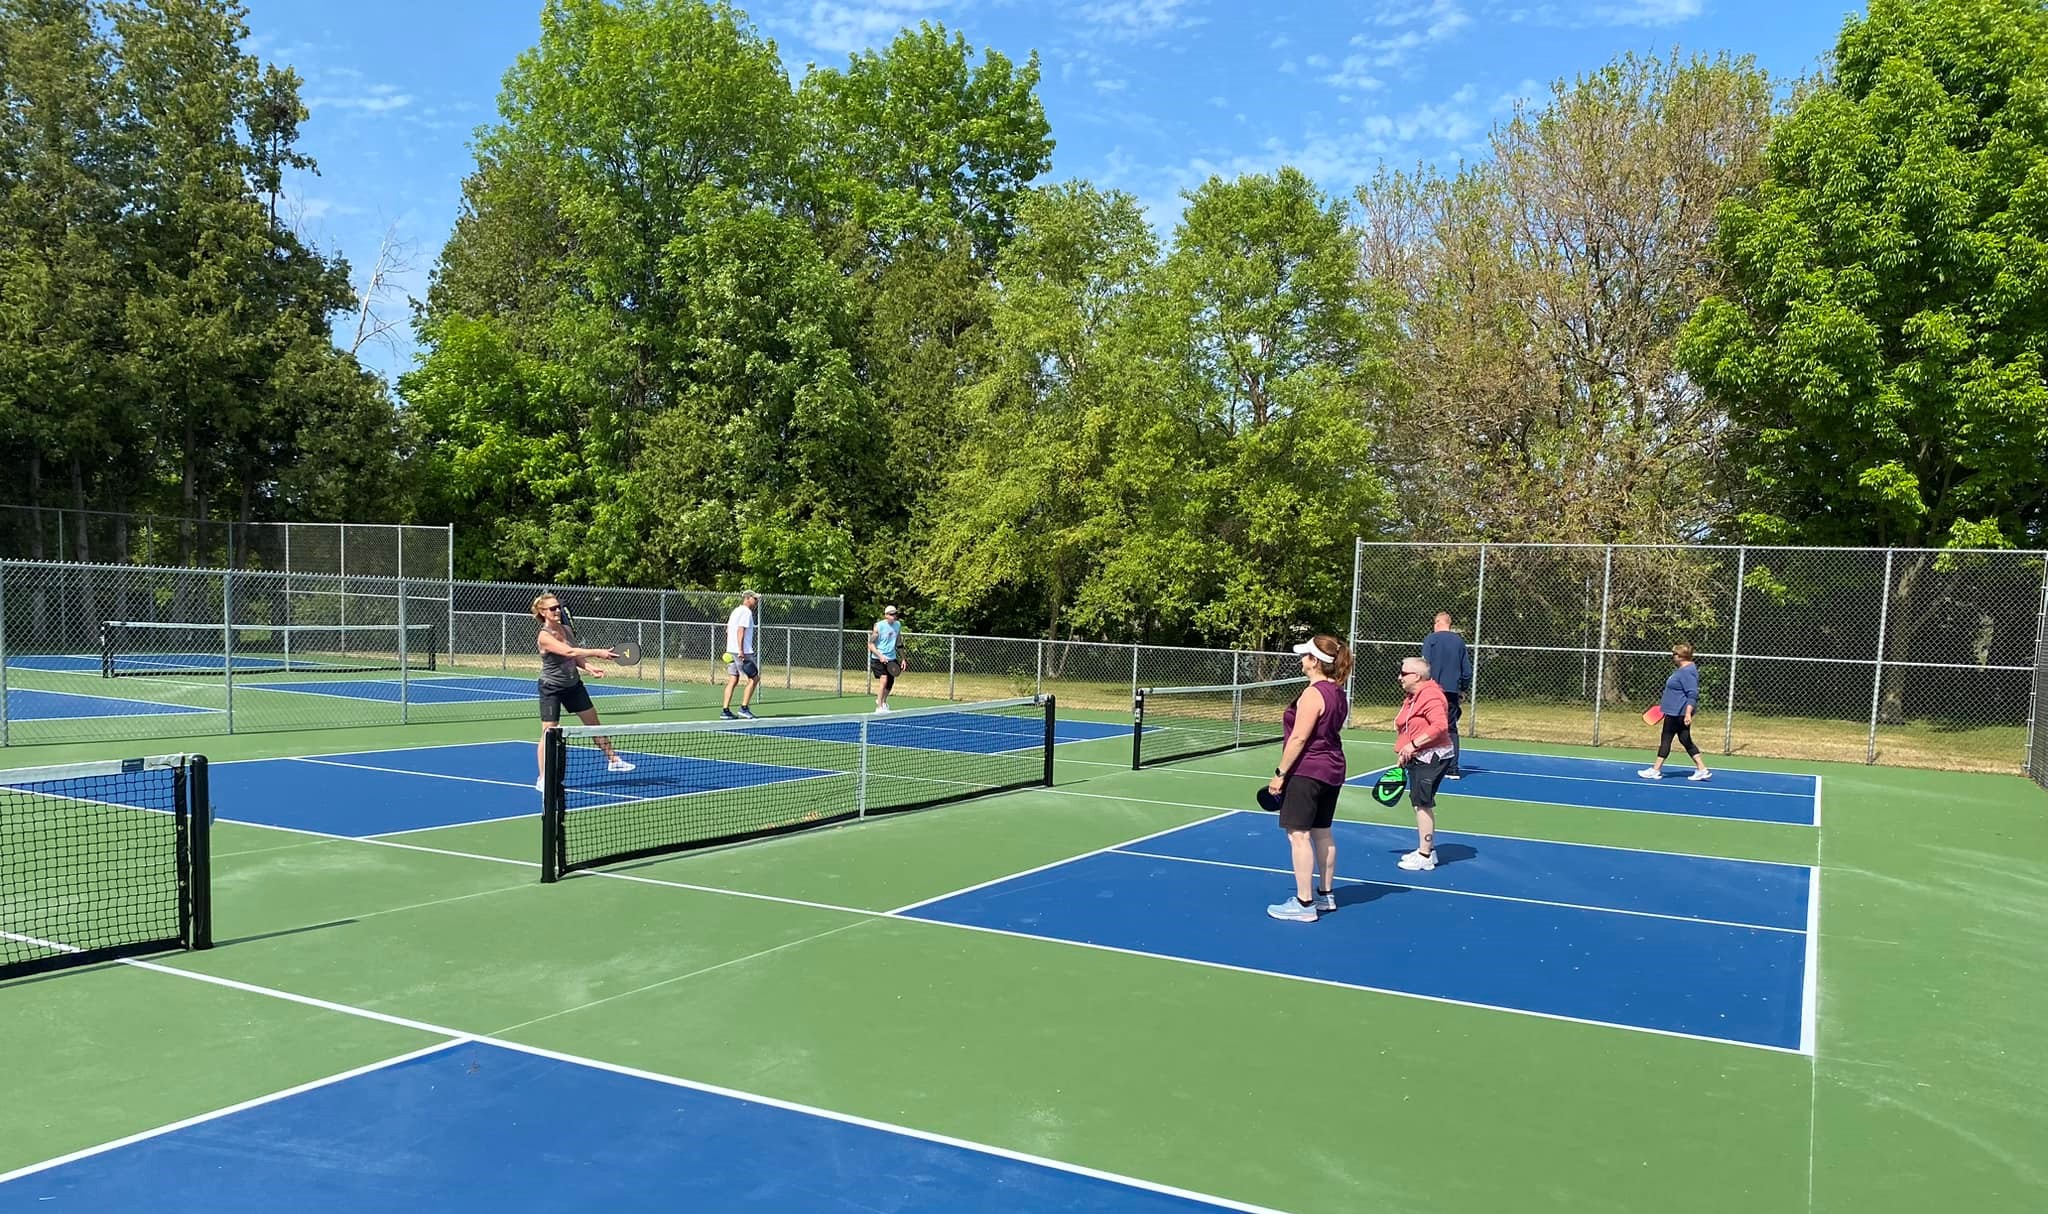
(1675, 727)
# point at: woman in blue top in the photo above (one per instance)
(1681, 698)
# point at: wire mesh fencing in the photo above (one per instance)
(1917, 657)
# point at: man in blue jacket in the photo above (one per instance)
(1450, 667)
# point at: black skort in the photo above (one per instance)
(575, 697)
(885, 670)
(1307, 803)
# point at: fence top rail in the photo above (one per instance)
(2038, 553)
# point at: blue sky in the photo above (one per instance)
(1147, 96)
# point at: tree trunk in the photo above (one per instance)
(83, 546)
(1901, 626)
(35, 503)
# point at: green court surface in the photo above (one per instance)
(776, 968)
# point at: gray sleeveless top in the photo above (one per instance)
(558, 673)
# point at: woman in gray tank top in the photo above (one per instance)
(561, 682)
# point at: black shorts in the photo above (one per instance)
(1423, 779)
(1307, 803)
(885, 670)
(575, 697)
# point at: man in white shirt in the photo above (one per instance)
(742, 656)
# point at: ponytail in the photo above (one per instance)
(1340, 670)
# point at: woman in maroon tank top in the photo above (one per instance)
(1310, 773)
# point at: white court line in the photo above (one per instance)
(1626, 764)
(1684, 787)
(406, 771)
(343, 754)
(1471, 893)
(1055, 864)
(231, 1110)
(1809, 1012)
(1816, 802)
(457, 1038)
(1475, 834)
(1364, 781)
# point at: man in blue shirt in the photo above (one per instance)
(884, 659)
(1450, 667)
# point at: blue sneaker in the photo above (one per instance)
(1292, 911)
(725, 714)
(747, 713)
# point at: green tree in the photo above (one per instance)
(1880, 347)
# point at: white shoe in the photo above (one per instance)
(1650, 773)
(1292, 911)
(1419, 861)
(540, 785)
(881, 708)
(618, 765)
(1326, 902)
(1699, 774)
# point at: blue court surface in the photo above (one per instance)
(29, 704)
(431, 689)
(196, 663)
(388, 791)
(1751, 796)
(470, 1126)
(1686, 945)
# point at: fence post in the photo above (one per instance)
(2034, 704)
(1471, 713)
(661, 638)
(1038, 688)
(3, 653)
(227, 642)
(1134, 672)
(788, 657)
(839, 649)
(1600, 658)
(952, 654)
(450, 583)
(1734, 651)
(1357, 571)
(1884, 608)
(404, 650)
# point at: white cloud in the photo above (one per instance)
(1110, 85)
(1280, 43)
(1136, 18)
(849, 28)
(1648, 13)
(1318, 61)
(1420, 25)
(1526, 91)
(1354, 73)
(377, 99)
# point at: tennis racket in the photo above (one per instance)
(1653, 714)
(1388, 789)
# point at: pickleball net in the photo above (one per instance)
(149, 647)
(698, 784)
(1169, 723)
(102, 860)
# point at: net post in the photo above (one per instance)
(197, 815)
(1600, 659)
(1137, 729)
(1051, 736)
(554, 765)
(1734, 653)
(860, 788)
(1884, 608)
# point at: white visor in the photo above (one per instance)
(1309, 647)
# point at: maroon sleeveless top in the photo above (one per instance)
(1323, 758)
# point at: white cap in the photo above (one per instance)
(748, 594)
(891, 610)
(1309, 647)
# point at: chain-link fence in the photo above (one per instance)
(86, 537)
(105, 652)
(2037, 733)
(1917, 657)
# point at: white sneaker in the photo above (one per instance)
(1292, 911)
(618, 765)
(1326, 902)
(1419, 861)
(881, 708)
(1700, 773)
(540, 785)
(1650, 773)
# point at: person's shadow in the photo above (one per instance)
(1360, 890)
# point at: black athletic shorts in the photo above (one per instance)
(575, 697)
(1423, 778)
(885, 670)
(1307, 803)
